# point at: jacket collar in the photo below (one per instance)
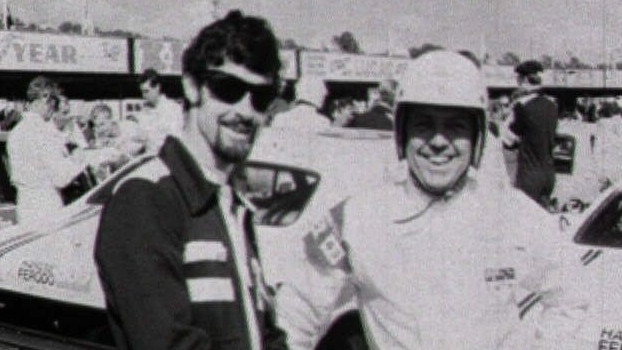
(197, 190)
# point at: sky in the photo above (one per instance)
(588, 29)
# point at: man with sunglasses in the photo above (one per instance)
(176, 249)
(40, 163)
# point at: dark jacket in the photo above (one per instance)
(535, 122)
(376, 117)
(167, 263)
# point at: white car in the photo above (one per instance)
(50, 295)
(597, 233)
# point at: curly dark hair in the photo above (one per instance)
(149, 75)
(244, 40)
(42, 86)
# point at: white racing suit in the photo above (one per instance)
(476, 270)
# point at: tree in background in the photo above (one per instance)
(509, 59)
(289, 44)
(547, 61)
(68, 27)
(415, 51)
(575, 63)
(347, 43)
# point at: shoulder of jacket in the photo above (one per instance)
(550, 98)
(152, 171)
(525, 98)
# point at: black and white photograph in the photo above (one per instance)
(310, 175)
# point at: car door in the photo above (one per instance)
(599, 239)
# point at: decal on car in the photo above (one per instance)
(610, 339)
(48, 274)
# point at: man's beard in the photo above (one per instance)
(233, 154)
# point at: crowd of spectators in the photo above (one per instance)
(68, 147)
(308, 105)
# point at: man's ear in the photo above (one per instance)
(191, 89)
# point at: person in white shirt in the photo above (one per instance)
(160, 116)
(66, 123)
(442, 259)
(39, 160)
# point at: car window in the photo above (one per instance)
(564, 153)
(279, 193)
(604, 227)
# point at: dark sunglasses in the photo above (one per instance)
(231, 89)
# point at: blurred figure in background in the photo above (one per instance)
(160, 116)
(535, 123)
(608, 144)
(304, 115)
(341, 111)
(10, 116)
(116, 141)
(379, 116)
(105, 129)
(66, 123)
(40, 162)
(283, 102)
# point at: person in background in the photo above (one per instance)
(10, 117)
(105, 128)
(39, 160)
(379, 116)
(305, 115)
(442, 259)
(68, 126)
(608, 144)
(160, 115)
(176, 251)
(535, 125)
(283, 102)
(341, 111)
(118, 141)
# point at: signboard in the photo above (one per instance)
(614, 78)
(161, 55)
(165, 57)
(62, 53)
(346, 67)
(581, 78)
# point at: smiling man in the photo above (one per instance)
(440, 260)
(176, 250)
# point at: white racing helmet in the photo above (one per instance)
(444, 79)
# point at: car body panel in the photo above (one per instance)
(601, 282)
